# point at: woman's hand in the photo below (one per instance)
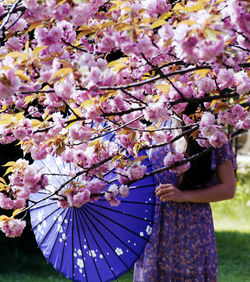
(222, 191)
(168, 192)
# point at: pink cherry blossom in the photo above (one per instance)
(13, 227)
(68, 155)
(119, 103)
(111, 198)
(244, 124)
(80, 156)
(49, 37)
(156, 112)
(172, 158)
(239, 112)
(218, 139)
(62, 11)
(14, 43)
(31, 178)
(146, 47)
(155, 7)
(123, 191)
(95, 186)
(69, 34)
(205, 85)
(9, 83)
(129, 48)
(30, 4)
(114, 189)
(225, 78)
(210, 49)
(162, 137)
(5, 202)
(187, 120)
(17, 24)
(63, 203)
(1, 8)
(243, 82)
(203, 142)
(122, 177)
(38, 153)
(207, 119)
(23, 129)
(80, 133)
(136, 172)
(226, 117)
(81, 198)
(107, 44)
(64, 89)
(179, 108)
(81, 14)
(19, 203)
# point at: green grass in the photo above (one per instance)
(234, 256)
(234, 215)
(232, 224)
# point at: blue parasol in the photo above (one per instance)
(96, 242)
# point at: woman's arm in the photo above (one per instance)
(219, 192)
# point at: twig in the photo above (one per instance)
(205, 99)
(123, 112)
(130, 95)
(153, 79)
(17, 19)
(38, 91)
(194, 157)
(18, 9)
(64, 184)
(239, 47)
(116, 129)
(6, 20)
(72, 46)
(162, 128)
(160, 72)
(173, 140)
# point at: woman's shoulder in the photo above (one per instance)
(220, 155)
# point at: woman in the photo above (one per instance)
(182, 245)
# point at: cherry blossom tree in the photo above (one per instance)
(93, 82)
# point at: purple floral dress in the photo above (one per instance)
(182, 245)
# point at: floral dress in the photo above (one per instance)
(182, 245)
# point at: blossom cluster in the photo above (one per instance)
(12, 227)
(174, 157)
(23, 181)
(77, 195)
(114, 191)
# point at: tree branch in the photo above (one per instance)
(205, 99)
(7, 18)
(122, 112)
(153, 79)
(173, 140)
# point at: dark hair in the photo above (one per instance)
(200, 170)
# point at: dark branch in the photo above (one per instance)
(153, 79)
(205, 99)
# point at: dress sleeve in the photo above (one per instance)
(220, 155)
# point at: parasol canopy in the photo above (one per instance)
(96, 242)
